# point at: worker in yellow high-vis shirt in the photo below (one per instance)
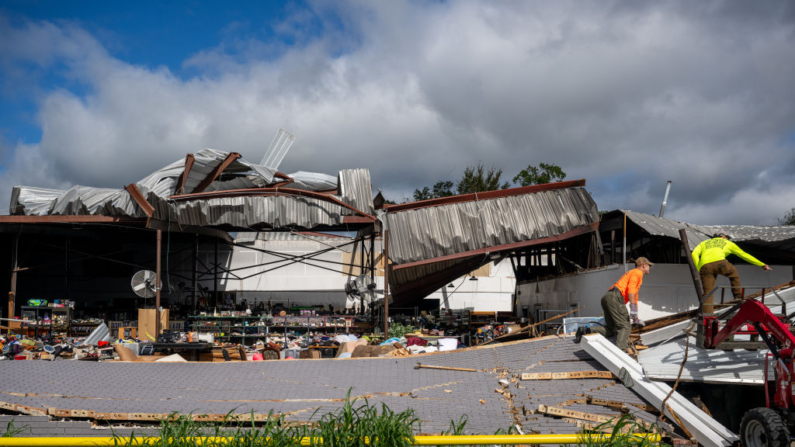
(710, 259)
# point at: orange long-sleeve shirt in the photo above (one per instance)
(630, 283)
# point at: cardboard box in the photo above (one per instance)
(146, 323)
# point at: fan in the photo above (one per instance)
(143, 284)
(361, 287)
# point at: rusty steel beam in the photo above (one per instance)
(135, 193)
(481, 251)
(189, 160)
(216, 172)
(287, 180)
(484, 195)
(271, 192)
(70, 219)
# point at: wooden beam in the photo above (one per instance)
(135, 193)
(216, 172)
(189, 160)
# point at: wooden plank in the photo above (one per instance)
(537, 376)
(568, 375)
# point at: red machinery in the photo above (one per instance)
(764, 426)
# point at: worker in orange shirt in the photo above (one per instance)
(617, 321)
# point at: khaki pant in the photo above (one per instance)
(616, 319)
(709, 272)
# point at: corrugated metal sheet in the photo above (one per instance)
(428, 233)
(355, 189)
(163, 182)
(704, 365)
(781, 237)
(251, 211)
(313, 181)
(32, 201)
(83, 200)
(660, 226)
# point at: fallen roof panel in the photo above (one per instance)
(434, 236)
(706, 430)
(91, 390)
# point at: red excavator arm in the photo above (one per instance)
(750, 312)
(766, 324)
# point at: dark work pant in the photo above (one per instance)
(616, 319)
(709, 272)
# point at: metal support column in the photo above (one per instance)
(157, 285)
(66, 271)
(624, 251)
(215, 274)
(13, 293)
(386, 284)
(195, 275)
(361, 273)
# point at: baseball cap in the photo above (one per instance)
(642, 261)
(721, 234)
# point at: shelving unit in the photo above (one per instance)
(230, 327)
(61, 319)
(241, 328)
(33, 318)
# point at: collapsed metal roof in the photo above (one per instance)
(433, 240)
(214, 188)
(778, 237)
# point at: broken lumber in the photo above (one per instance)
(444, 368)
(569, 375)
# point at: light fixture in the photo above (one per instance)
(450, 286)
(472, 278)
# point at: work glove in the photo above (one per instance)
(633, 311)
(639, 322)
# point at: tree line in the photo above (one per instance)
(479, 179)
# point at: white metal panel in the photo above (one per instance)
(708, 431)
(738, 367)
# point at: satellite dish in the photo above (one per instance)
(144, 284)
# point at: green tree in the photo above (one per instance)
(536, 175)
(477, 179)
(440, 189)
(789, 218)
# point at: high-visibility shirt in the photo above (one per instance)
(630, 283)
(716, 249)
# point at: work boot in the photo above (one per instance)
(580, 332)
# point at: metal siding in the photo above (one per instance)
(356, 190)
(428, 233)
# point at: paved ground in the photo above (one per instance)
(302, 388)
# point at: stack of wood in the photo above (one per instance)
(399, 351)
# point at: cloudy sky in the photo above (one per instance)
(626, 94)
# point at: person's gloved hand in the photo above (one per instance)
(639, 322)
(633, 311)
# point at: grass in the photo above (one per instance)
(623, 432)
(356, 424)
(12, 431)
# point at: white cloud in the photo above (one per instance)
(625, 95)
